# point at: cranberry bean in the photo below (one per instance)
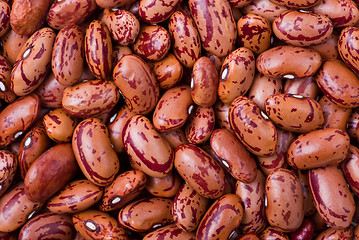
(264, 8)
(113, 3)
(153, 11)
(76, 196)
(306, 87)
(335, 233)
(137, 83)
(168, 71)
(218, 61)
(67, 55)
(153, 43)
(236, 75)
(185, 38)
(48, 225)
(252, 127)
(249, 236)
(204, 82)
(34, 143)
(254, 32)
(350, 166)
(215, 24)
(294, 113)
(116, 20)
(252, 197)
(59, 125)
(332, 197)
(94, 224)
(50, 92)
(352, 123)
(5, 18)
(16, 208)
(296, 3)
(146, 214)
(239, 3)
(233, 155)
(17, 117)
(271, 233)
(279, 158)
(175, 137)
(173, 109)
(12, 44)
(309, 207)
(348, 48)
(319, 148)
(152, 152)
(170, 232)
(26, 17)
(188, 208)
(221, 218)
(200, 125)
(305, 231)
(34, 55)
(94, 153)
(221, 112)
(6, 92)
(90, 98)
(328, 49)
(118, 52)
(200, 170)
(62, 13)
(278, 62)
(8, 168)
(334, 115)
(126, 187)
(164, 187)
(338, 83)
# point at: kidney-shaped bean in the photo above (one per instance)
(200, 125)
(153, 11)
(350, 168)
(348, 47)
(170, 232)
(8, 168)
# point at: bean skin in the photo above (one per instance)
(5, 81)
(8, 168)
(349, 168)
(170, 232)
(12, 43)
(200, 125)
(153, 11)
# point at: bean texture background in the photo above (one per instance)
(181, 119)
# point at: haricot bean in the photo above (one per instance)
(198, 119)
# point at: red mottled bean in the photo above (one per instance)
(200, 171)
(26, 17)
(16, 208)
(12, 44)
(35, 54)
(352, 123)
(17, 117)
(118, 52)
(254, 32)
(76, 196)
(67, 55)
(175, 137)
(264, 8)
(200, 125)
(164, 187)
(50, 172)
(252, 127)
(350, 168)
(90, 98)
(233, 155)
(170, 232)
(335, 233)
(48, 225)
(173, 109)
(236, 75)
(33, 144)
(249, 236)
(239, 3)
(94, 224)
(296, 3)
(94, 153)
(6, 92)
(137, 83)
(332, 197)
(215, 24)
(146, 214)
(221, 218)
(253, 200)
(306, 87)
(113, 3)
(305, 231)
(339, 83)
(294, 113)
(334, 115)
(309, 207)
(98, 49)
(188, 208)
(8, 168)
(285, 200)
(153, 11)
(126, 187)
(50, 92)
(271, 233)
(278, 62)
(204, 82)
(185, 38)
(62, 13)
(348, 47)
(318, 148)
(328, 49)
(153, 43)
(221, 112)
(151, 152)
(123, 26)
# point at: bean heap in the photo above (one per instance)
(198, 119)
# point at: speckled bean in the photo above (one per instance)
(5, 81)
(146, 214)
(221, 218)
(252, 127)
(335, 233)
(12, 44)
(305, 231)
(50, 92)
(164, 187)
(350, 168)
(33, 62)
(348, 47)
(200, 171)
(264, 8)
(331, 196)
(113, 3)
(8, 168)
(271, 233)
(236, 75)
(137, 83)
(175, 137)
(153, 11)
(221, 111)
(200, 125)
(309, 207)
(188, 208)
(296, 3)
(170, 232)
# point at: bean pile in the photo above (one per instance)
(198, 119)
